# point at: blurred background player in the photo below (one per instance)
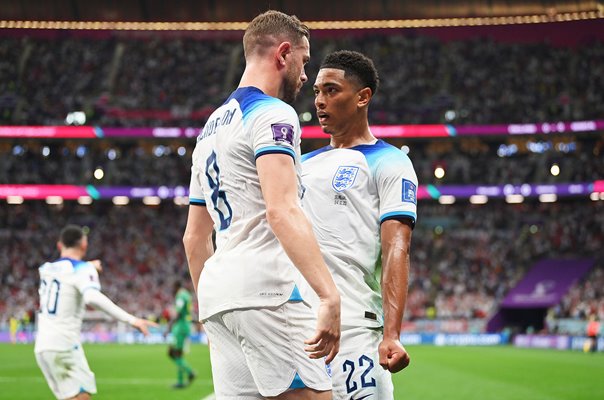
(360, 195)
(67, 286)
(245, 183)
(180, 329)
(593, 330)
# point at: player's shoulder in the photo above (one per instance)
(314, 153)
(253, 102)
(382, 154)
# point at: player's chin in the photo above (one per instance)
(326, 128)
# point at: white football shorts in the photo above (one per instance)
(356, 370)
(259, 352)
(67, 372)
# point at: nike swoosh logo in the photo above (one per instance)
(361, 398)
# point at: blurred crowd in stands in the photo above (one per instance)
(176, 81)
(464, 161)
(464, 258)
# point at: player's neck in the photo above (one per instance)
(352, 136)
(72, 253)
(256, 75)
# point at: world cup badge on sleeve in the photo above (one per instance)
(409, 192)
(344, 178)
(283, 133)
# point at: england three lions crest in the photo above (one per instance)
(344, 178)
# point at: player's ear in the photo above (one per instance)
(364, 97)
(283, 50)
(59, 246)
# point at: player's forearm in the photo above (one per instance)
(295, 234)
(197, 249)
(395, 276)
(98, 300)
(394, 294)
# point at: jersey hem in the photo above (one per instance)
(241, 304)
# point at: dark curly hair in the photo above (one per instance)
(356, 65)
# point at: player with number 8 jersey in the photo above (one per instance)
(224, 179)
(265, 338)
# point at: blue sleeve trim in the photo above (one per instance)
(399, 215)
(275, 150)
(197, 202)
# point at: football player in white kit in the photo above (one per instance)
(265, 339)
(361, 199)
(67, 286)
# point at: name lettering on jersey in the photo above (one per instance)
(409, 192)
(283, 133)
(344, 178)
(212, 125)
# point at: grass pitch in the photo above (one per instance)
(125, 372)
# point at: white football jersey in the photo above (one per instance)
(348, 194)
(249, 267)
(62, 285)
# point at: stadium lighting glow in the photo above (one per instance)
(313, 25)
(54, 200)
(45, 151)
(182, 151)
(595, 196)
(514, 198)
(99, 173)
(450, 115)
(151, 200)
(85, 200)
(181, 200)
(555, 170)
(439, 172)
(602, 196)
(548, 198)
(75, 118)
(305, 116)
(405, 149)
(18, 150)
(479, 199)
(14, 199)
(120, 200)
(446, 199)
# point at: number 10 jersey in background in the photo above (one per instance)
(249, 267)
(62, 285)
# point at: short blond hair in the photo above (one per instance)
(270, 28)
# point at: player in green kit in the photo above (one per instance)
(180, 327)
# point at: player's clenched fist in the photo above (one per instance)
(393, 355)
